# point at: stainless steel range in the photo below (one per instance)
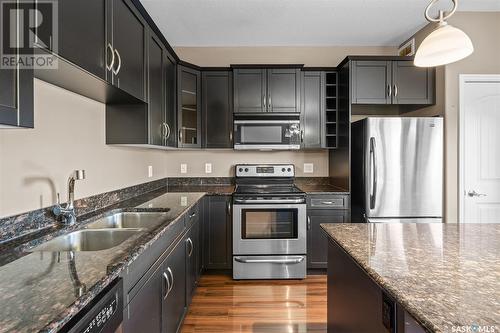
(269, 223)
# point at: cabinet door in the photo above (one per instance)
(82, 34)
(174, 301)
(189, 113)
(217, 233)
(317, 242)
(283, 90)
(371, 82)
(128, 42)
(16, 91)
(157, 130)
(411, 84)
(170, 99)
(143, 313)
(217, 109)
(313, 109)
(192, 242)
(250, 90)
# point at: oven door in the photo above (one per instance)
(269, 134)
(269, 229)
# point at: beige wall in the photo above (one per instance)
(484, 30)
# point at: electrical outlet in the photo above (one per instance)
(184, 168)
(150, 171)
(308, 168)
(208, 167)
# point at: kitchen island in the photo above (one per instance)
(390, 277)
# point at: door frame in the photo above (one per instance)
(463, 80)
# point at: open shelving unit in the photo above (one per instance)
(331, 109)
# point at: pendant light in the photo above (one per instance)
(444, 45)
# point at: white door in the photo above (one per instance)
(480, 152)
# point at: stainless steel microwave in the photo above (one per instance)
(264, 134)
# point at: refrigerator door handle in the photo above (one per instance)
(373, 157)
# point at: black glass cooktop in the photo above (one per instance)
(267, 189)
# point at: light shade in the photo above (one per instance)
(443, 46)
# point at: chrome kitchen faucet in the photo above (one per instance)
(68, 211)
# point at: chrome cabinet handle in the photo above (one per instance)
(168, 285)
(395, 91)
(264, 101)
(230, 136)
(191, 246)
(473, 193)
(301, 135)
(117, 70)
(270, 103)
(270, 261)
(180, 135)
(308, 223)
(389, 90)
(172, 276)
(373, 155)
(110, 66)
(168, 131)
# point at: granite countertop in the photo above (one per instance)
(321, 188)
(37, 289)
(208, 189)
(444, 275)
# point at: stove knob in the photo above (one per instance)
(289, 169)
(246, 169)
(240, 169)
(283, 170)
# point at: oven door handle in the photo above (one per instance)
(270, 261)
(270, 201)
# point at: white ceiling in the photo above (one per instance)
(294, 22)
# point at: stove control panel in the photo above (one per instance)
(265, 170)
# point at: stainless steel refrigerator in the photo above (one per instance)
(397, 169)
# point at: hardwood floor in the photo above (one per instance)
(277, 306)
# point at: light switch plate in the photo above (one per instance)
(308, 168)
(150, 171)
(184, 168)
(208, 167)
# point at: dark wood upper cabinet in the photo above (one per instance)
(170, 99)
(82, 34)
(391, 82)
(189, 101)
(283, 90)
(371, 82)
(411, 84)
(250, 90)
(313, 109)
(217, 240)
(128, 41)
(16, 94)
(157, 130)
(259, 90)
(217, 109)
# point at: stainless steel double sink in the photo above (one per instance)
(105, 233)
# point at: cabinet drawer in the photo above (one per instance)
(136, 271)
(192, 216)
(328, 201)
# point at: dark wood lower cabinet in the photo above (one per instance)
(317, 242)
(143, 313)
(356, 304)
(217, 221)
(193, 260)
(174, 299)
